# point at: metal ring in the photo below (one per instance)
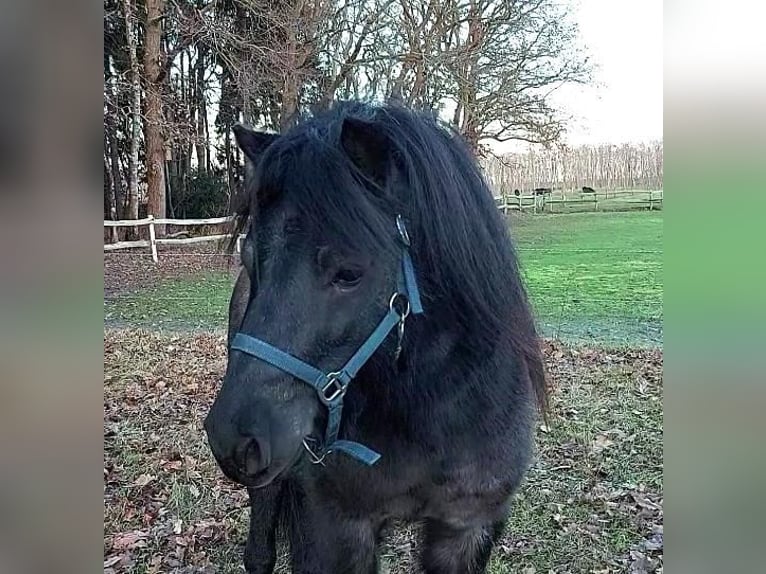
(406, 308)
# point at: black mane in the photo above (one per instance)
(461, 247)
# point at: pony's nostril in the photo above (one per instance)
(255, 456)
(253, 462)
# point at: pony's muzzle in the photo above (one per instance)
(241, 444)
(256, 439)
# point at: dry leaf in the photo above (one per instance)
(143, 480)
(112, 561)
(601, 442)
(172, 464)
(645, 502)
(129, 540)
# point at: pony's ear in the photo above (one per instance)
(367, 147)
(251, 142)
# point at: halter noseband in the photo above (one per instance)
(331, 387)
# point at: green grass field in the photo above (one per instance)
(192, 302)
(592, 277)
(592, 502)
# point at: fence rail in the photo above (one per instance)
(154, 241)
(508, 202)
(595, 201)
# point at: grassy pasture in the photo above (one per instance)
(592, 277)
(592, 502)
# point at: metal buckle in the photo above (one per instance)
(335, 387)
(402, 230)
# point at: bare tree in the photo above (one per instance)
(200, 104)
(605, 167)
(349, 42)
(111, 143)
(486, 66)
(512, 57)
(494, 63)
(261, 46)
(289, 57)
(135, 112)
(155, 145)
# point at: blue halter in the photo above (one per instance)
(331, 387)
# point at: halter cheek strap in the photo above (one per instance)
(331, 387)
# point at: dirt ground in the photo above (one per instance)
(591, 503)
(129, 270)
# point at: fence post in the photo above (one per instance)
(152, 239)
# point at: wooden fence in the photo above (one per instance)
(154, 241)
(555, 202)
(563, 202)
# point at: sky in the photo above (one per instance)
(624, 39)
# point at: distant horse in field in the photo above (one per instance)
(383, 360)
(586, 189)
(542, 191)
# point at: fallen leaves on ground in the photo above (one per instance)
(592, 502)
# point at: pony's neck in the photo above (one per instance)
(427, 357)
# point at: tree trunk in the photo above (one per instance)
(119, 187)
(111, 145)
(135, 116)
(200, 104)
(155, 144)
(470, 128)
(289, 105)
(175, 183)
(110, 212)
(169, 191)
(229, 167)
(115, 173)
(187, 168)
(290, 86)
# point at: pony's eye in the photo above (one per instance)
(347, 278)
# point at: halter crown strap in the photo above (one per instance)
(331, 387)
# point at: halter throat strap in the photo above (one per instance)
(331, 387)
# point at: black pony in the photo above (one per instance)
(449, 402)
